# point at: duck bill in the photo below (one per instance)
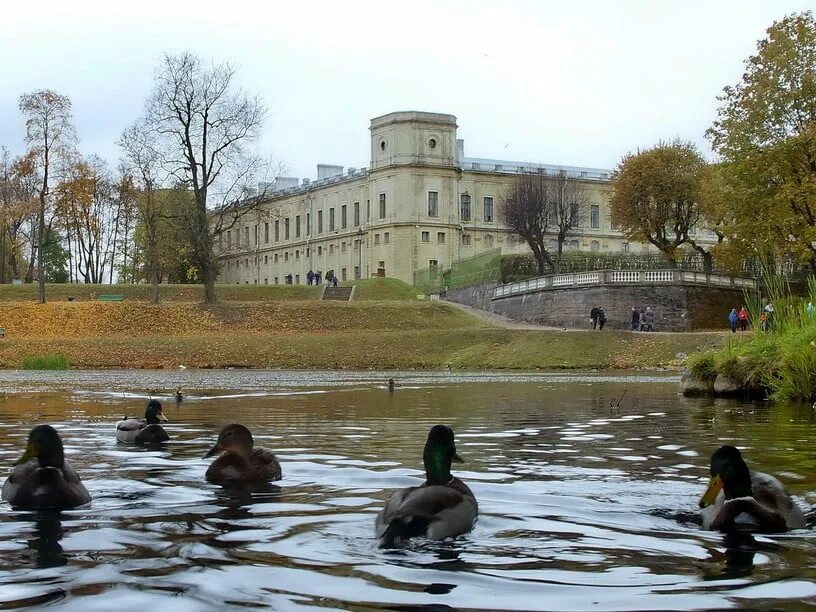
(457, 458)
(29, 454)
(715, 485)
(161, 417)
(214, 451)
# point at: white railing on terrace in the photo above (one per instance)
(621, 277)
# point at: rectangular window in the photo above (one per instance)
(343, 217)
(426, 236)
(488, 209)
(277, 231)
(387, 237)
(229, 239)
(286, 228)
(356, 214)
(376, 239)
(464, 207)
(286, 256)
(625, 247)
(433, 263)
(275, 258)
(308, 224)
(266, 260)
(266, 233)
(320, 250)
(594, 216)
(255, 234)
(331, 249)
(342, 274)
(297, 226)
(343, 247)
(331, 219)
(319, 221)
(440, 237)
(382, 206)
(246, 236)
(308, 251)
(297, 253)
(368, 210)
(433, 203)
(465, 239)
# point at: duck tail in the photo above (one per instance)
(403, 528)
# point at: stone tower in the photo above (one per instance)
(413, 138)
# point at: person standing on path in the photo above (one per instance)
(601, 318)
(635, 319)
(648, 320)
(593, 317)
(743, 319)
(733, 318)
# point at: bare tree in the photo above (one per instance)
(49, 134)
(527, 210)
(205, 128)
(145, 164)
(569, 201)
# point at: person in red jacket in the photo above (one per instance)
(743, 319)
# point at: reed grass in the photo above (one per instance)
(53, 361)
(780, 356)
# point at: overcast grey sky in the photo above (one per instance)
(577, 83)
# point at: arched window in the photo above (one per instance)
(594, 246)
(488, 241)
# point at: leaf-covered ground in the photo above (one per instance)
(314, 334)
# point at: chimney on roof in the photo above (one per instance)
(351, 171)
(460, 149)
(325, 171)
(285, 182)
(306, 182)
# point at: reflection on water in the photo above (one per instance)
(582, 505)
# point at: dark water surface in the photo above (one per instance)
(582, 506)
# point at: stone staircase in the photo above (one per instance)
(342, 294)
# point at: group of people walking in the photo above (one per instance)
(314, 278)
(643, 319)
(738, 319)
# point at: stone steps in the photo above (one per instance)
(342, 294)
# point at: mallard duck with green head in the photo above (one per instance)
(442, 507)
(144, 431)
(738, 498)
(239, 461)
(42, 479)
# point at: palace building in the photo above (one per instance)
(421, 203)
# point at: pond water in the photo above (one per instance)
(581, 505)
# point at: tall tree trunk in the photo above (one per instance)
(40, 234)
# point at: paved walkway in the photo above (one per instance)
(506, 323)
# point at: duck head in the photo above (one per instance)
(45, 444)
(154, 413)
(233, 438)
(729, 474)
(439, 453)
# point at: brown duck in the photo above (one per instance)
(239, 461)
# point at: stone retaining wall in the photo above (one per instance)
(677, 307)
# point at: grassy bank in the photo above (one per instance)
(780, 361)
(288, 327)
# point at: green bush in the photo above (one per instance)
(55, 361)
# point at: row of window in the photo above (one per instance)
(464, 206)
(276, 227)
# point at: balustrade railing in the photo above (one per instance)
(621, 277)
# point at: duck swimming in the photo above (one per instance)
(440, 508)
(42, 479)
(144, 431)
(737, 497)
(240, 462)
